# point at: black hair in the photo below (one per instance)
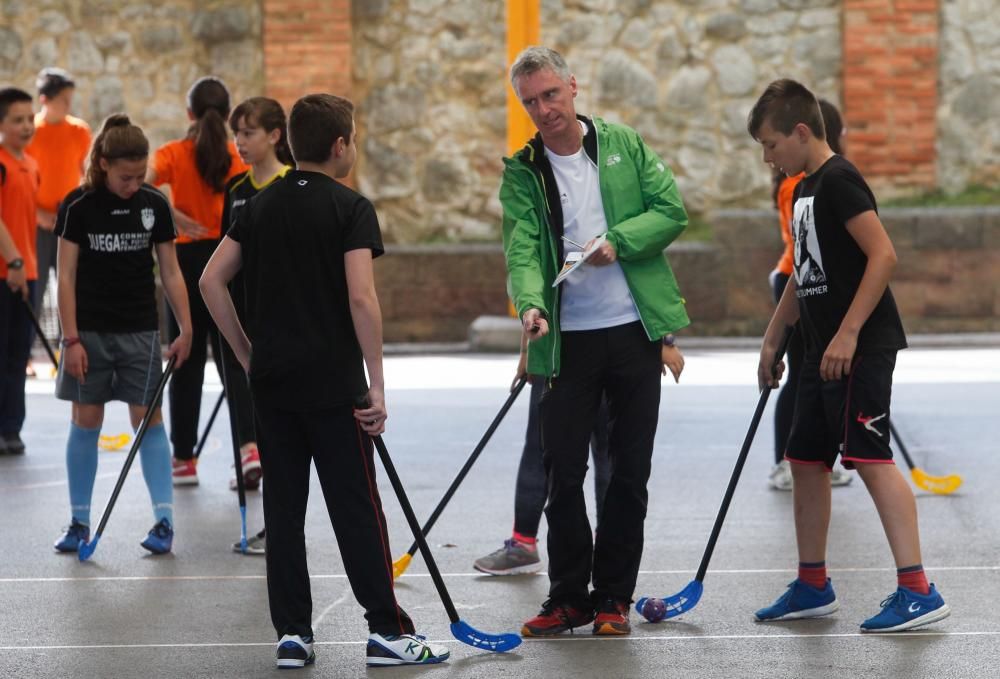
(208, 101)
(51, 81)
(11, 95)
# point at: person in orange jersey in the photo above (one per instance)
(197, 168)
(60, 147)
(18, 187)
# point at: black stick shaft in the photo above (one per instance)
(234, 426)
(468, 463)
(740, 461)
(143, 426)
(411, 519)
(899, 443)
(211, 421)
(41, 335)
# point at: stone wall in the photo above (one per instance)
(968, 142)
(429, 79)
(685, 74)
(430, 76)
(133, 56)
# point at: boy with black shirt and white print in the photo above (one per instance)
(839, 290)
(305, 246)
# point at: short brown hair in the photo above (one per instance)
(784, 104)
(317, 121)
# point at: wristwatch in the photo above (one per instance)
(15, 264)
(669, 340)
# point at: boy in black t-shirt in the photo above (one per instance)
(842, 264)
(305, 246)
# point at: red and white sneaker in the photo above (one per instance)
(252, 472)
(185, 472)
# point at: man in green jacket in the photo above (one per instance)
(588, 188)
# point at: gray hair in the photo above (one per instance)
(536, 58)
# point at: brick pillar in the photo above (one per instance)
(307, 48)
(890, 90)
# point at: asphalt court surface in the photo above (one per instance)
(202, 611)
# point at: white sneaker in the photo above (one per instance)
(403, 649)
(840, 477)
(293, 652)
(780, 477)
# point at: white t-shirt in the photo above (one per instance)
(593, 296)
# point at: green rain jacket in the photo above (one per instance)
(644, 212)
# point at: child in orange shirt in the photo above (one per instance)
(197, 169)
(18, 187)
(60, 148)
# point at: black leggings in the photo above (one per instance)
(784, 408)
(530, 492)
(186, 384)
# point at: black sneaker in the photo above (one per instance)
(14, 444)
(295, 652)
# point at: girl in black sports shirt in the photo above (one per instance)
(258, 124)
(108, 229)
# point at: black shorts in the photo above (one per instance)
(847, 417)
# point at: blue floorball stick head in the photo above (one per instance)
(496, 643)
(655, 610)
(86, 549)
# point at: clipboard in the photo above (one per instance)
(575, 260)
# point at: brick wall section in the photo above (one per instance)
(890, 90)
(307, 48)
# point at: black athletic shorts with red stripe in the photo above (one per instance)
(847, 417)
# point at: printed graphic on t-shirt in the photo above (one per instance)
(810, 277)
(119, 242)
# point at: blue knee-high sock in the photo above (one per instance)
(81, 469)
(156, 469)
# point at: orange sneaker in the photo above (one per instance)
(612, 618)
(185, 473)
(556, 619)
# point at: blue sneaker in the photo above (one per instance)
(75, 535)
(905, 609)
(160, 538)
(801, 601)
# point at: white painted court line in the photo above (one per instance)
(536, 641)
(474, 574)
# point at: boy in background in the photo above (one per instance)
(18, 271)
(60, 147)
